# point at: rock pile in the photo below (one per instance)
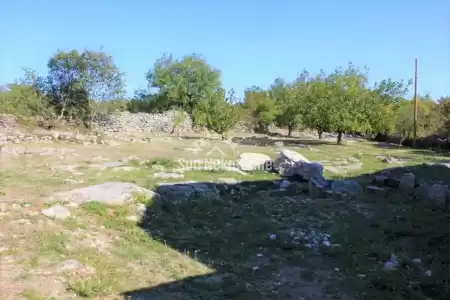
(8, 122)
(140, 122)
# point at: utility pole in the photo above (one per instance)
(415, 105)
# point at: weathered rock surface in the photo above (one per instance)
(249, 161)
(58, 212)
(288, 162)
(111, 193)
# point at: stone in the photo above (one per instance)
(349, 187)
(58, 212)
(288, 162)
(110, 193)
(69, 265)
(380, 179)
(166, 175)
(187, 190)
(310, 170)
(249, 161)
(438, 193)
(278, 144)
(407, 183)
(74, 265)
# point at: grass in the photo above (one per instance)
(221, 248)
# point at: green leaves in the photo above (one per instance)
(221, 112)
(184, 83)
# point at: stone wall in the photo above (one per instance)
(140, 122)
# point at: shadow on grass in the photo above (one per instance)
(230, 231)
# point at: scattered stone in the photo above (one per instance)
(278, 144)
(58, 212)
(284, 184)
(73, 265)
(350, 187)
(111, 193)
(407, 182)
(108, 164)
(272, 237)
(69, 265)
(249, 161)
(391, 264)
(166, 175)
(417, 260)
(380, 179)
(428, 273)
(438, 193)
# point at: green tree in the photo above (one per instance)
(261, 107)
(315, 107)
(288, 100)
(77, 78)
(184, 83)
(221, 112)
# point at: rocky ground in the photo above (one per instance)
(150, 217)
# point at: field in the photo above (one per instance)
(258, 240)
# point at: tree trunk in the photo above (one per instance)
(290, 127)
(339, 138)
(320, 133)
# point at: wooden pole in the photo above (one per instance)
(415, 105)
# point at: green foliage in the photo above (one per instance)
(184, 83)
(261, 107)
(179, 117)
(221, 113)
(289, 100)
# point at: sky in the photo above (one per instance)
(251, 42)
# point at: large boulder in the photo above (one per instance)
(111, 193)
(253, 161)
(288, 162)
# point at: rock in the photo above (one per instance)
(310, 170)
(284, 184)
(69, 265)
(253, 161)
(56, 212)
(438, 193)
(407, 182)
(108, 164)
(111, 193)
(278, 144)
(140, 122)
(187, 190)
(416, 260)
(288, 162)
(74, 265)
(380, 179)
(168, 175)
(391, 264)
(349, 187)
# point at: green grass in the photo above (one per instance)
(31, 294)
(217, 241)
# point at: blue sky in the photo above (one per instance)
(251, 42)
